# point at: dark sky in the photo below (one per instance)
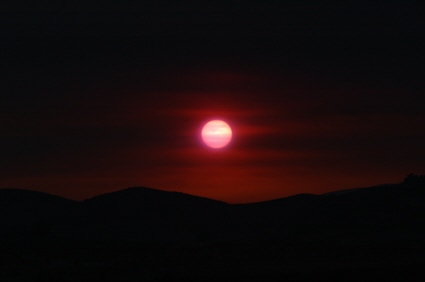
(101, 96)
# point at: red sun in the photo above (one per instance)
(216, 134)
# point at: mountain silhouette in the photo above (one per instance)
(144, 233)
(141, 213)
(154, 214)
(25, 212)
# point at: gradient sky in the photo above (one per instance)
(100, 97)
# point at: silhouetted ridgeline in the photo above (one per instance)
(150, 235)
(148, 214)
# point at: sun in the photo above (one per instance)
(216, 134)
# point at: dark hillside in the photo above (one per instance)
(148, 234)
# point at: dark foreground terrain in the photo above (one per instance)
(142, 234)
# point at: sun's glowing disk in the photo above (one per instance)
(216, 134)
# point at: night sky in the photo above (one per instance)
(103, 96)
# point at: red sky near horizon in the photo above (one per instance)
(293, 137)
(319, 98)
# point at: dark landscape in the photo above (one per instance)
(275, 137)
(143, 234)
